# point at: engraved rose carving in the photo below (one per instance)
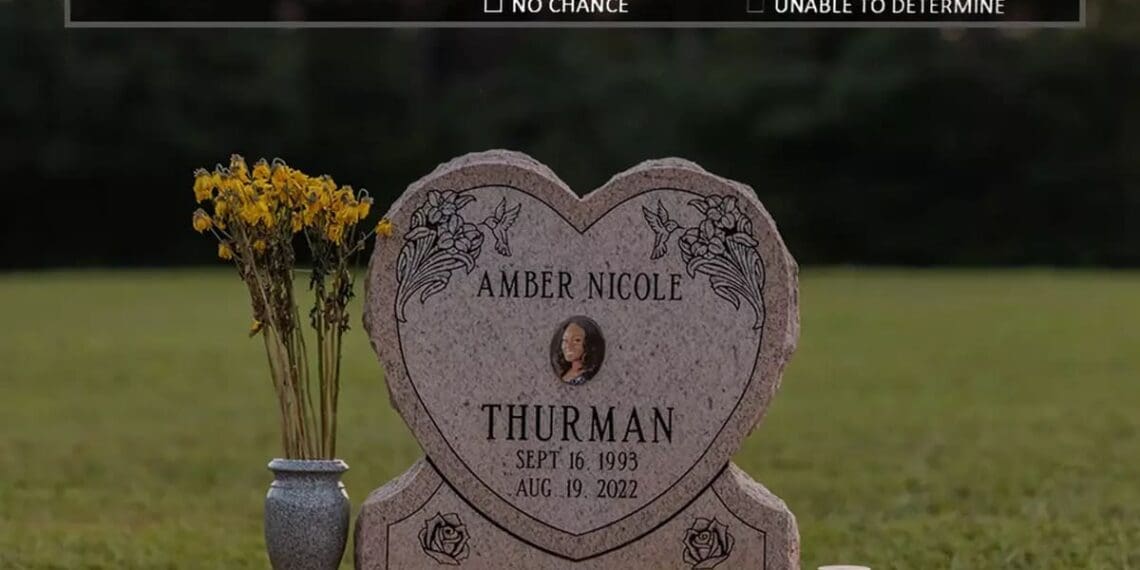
(444, 539)
(707, 543)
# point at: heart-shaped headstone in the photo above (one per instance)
(579, 370)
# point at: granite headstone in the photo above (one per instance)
(579, 371)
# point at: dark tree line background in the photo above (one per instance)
(916, 147)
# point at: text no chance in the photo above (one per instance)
(589, 6)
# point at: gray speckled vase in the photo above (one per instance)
(306, 514)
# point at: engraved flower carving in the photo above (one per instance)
(707, 544)
(723, 223)
(705, 241)
(441, 206)
(723, 213)
(438, 243)
(444, 539)
(457, 237)
(720, 246)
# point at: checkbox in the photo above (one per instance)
(755, 6)
(493, 6)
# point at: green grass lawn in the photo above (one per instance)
(931, 419)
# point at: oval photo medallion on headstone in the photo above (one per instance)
(579, 370)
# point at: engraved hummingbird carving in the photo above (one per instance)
(662, 227)
(500, 223)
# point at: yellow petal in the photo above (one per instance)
(203, 185)
(384, 228)
(261, 170)
(238, 169)
(201, 221)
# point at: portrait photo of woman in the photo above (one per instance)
(577, 350)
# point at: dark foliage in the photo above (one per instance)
(881, 147)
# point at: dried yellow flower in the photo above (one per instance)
(251, 213)
(231, 185)
(261, 170)
(299, 179)
(238, 169)
(203, 185)
(202, 221)
(335, 233)
(346, 215)
(384, 228)
(363, 208)
(279, 176)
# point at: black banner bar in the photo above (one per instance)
(602, 13)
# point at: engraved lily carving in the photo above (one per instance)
(720, 247)
(439, 242)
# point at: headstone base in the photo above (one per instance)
(418, 521)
